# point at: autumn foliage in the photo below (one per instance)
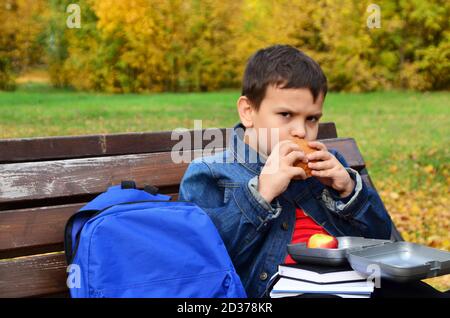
(202, 45)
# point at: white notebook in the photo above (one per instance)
(287, 285)
(283, 295)
(320, 274)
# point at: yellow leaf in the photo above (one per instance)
(393, 169)
(394, 195)
(429, 169)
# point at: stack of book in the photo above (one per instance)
(343, 281)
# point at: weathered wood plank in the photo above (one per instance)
(70, 147)
(33, 276)
(62, 178)
(38, 230)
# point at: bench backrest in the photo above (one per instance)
(43, 181)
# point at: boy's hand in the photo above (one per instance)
(329, 170)
(279, 169)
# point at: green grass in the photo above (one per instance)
(40, 111)
(391, 128)
(409, 130)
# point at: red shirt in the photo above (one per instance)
(305, 227)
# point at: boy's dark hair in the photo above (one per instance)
(283, 66)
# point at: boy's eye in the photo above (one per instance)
(313, 118)
(285, 114)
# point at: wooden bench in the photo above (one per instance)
(43, 181)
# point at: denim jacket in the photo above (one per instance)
(256, 232)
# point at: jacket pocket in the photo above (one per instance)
(228, 188)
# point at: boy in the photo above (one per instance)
(259, 206)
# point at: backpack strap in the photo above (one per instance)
(151, 189)
(127, 184)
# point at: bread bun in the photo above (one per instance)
(303, 144)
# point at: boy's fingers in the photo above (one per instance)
(295, 156)
(319, 155)
(287, 146)
(298, 173)
(323, 173)
(320, 173)
(321, 165)
(317, 145)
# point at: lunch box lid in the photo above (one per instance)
(398, 261)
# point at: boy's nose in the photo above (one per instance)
(299, 132)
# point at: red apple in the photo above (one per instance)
(322, 241)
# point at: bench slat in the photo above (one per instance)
(70, 147)
(64, 178)
(30, 231)
(33, 276)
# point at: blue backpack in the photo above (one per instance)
(136, 243)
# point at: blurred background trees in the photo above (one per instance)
(22, 38)
(203, 45)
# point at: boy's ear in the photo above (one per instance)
(245, 110)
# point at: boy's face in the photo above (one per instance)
(291, 111)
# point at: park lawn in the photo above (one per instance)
(403, 136)
(393, 129)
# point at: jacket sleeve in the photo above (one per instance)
(241, 219)
(364, 209)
